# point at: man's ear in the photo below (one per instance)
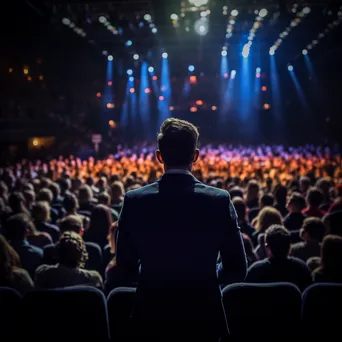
(196, 156)
(159, 157)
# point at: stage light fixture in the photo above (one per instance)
(132, 90)
(150, 69)
(234, 12)
(213, 108)
(245, 50)
(306, 10)
(174, 16)
(224, 53)
(128, 43)
(110, 58)
(191, 68)
(172, 108)
(305, 52)
(258, 70)
(263, 12)
(129, 72)
(154, 78)
(233, 74)
(131, 79)
(267, 106)
(164, 55)
(161, 98)
(98, 94)
(201, 26)
(148, 17)
(102, 19)
(272, 52)
(66, 21)
(147, 90)
(198, 3)
(154, 30)
(136, 56)
(110, 83)
(290, 68)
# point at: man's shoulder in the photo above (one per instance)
(298, 245)
(260, 264)
(143, 191)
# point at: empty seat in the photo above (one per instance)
(66, 314)
(120, 305)
(264, 312)
(322, 312)
(10, 314)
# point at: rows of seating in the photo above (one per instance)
(254, 311)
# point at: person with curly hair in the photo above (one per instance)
(72, 255)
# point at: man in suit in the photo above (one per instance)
(174, 230)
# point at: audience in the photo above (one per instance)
(294, 219)
(279, 266)
(314, 200)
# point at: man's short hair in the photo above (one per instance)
(71, 223)
(17, 227)
(315, 197)
(177, 142)
(278, 240)
(267, 200)
(104, 198)
(297, 200)
(240, 207)
(315, 228)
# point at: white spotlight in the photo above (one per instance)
(306, 10)
(263, 13)
(198, 3)
(201, 26)
(290, 68)
(154, 30)
(224, 53)
(150, 69)
(305, 52)
(102, 19)
(136, 56)
(148, 17)
(272, 52)
(233, 74)
(174, 16)
(129, 72)
(110, 57)
(234, 12)
(164, 55)
(66, 21)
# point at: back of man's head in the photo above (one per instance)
(277, 241)
(104, 198)
(71, 223)
(266, 200)
(17, 227)
(177, 142)
(315, 197)
(240, 207)
(296, 202)
(313, 229)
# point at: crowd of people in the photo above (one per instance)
(59, 219)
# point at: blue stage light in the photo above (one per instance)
(129, 72)
(258, 70)
(191, 68)
(136, 56)
(290, 68)
(128, 43)
(131, 79)
(164, 55)
(150, 69)
(224, 53)
(110, 57)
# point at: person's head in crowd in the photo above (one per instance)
(56, 190)
(101, 218)
(112, 237)
(117, 192)
(267, 217)
(114, 177)
(240, 207)
(45, 195)
(130, 180)
(71, 250)
(280, 194)
(36, 184)
(249, 249)
(16, 202)
(269, 184)
(27, 187)
(296, 203)
(90, 181)
(85, 194)
(9, 260)
(41, 212)
(65, 185)
(266, 200)
(3, 190)
(134, 187)
(102, 184)
(324, 184)
(331, 253)
(71, 223)
(277, 241)
(104, 198)
(17, 227)
(314, 198)
(294, 186)
(304, 184)
(30, 198)
(177, 144)
(313, 230)
(333, 223)
(45, 182)
(70, 203)
(252, 190)
(76, 184)
(236, 191)
(336, 205)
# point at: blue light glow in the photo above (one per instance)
(224, 53)
(164, 55)
(150, 69)
(258, 70)
(131, 79)
(129, 72)
(290, 68)
(110, 57)
(245, 50)
(191, 68)
(128, 43)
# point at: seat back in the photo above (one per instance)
(73, 313)
(120, 306)
(322, 312)
(10, 314)
(262, 311)
(95, 260)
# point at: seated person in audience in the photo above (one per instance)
(240, 207)
(85, 198)
(249, 250)
(70, 204)
(312, 233)
(266, 200)
(117, 195)
(333, 223)
(104, 198)
(279, 266)
(314, 200)
(41, 218)
(280, 195)
(294, 219)
(336, 205)
(57, 200)
(72, 255)
(16, 231)
(11, 273)
(324, 184)
(330, 268)
(46, 195)
(37, 238)
(252, 194)
(30, 198)
(304, 185)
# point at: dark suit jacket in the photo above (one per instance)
(175, 228)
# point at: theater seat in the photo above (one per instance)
(322, 312)
(66, 314)
(120, 305)
(95, 260)
(262, 312)
(10, 314)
